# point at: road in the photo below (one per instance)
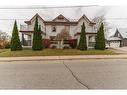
(67, 74)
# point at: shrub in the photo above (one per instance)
(82, 45)
(37, 37)
(46, 43)
(100, 39)
(73, 43)
(7, 45)
(15, 41)
(66, 47)
(53, 47)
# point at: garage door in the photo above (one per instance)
(115, 44)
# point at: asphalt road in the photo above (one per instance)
(71, 74)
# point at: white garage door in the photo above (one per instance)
(115, 44)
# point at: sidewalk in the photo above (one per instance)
(50, 58)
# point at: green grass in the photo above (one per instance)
(52, 52)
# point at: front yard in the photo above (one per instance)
(52, 52)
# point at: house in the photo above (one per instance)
(119, 39)
(59, 30)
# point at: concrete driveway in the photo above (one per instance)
(69, 74)
(121, 50)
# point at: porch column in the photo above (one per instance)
(23, 39)
(87, 41)
(61, 44)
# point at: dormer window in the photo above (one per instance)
(53, 29)
(118, 35)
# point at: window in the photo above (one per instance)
(118, 35)
(53, 29)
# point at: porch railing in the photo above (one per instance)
(26, 43)
(91, 44)
(25, 28)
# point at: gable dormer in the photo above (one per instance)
(117, 34)
(84, 17)
(60, 18)
(33, 19)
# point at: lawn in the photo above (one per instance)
(52, 52)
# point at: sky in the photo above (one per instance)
(115, 16)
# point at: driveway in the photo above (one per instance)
(121, 50)
(69, 74)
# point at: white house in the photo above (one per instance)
(51, 30)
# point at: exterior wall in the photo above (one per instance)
(73, 31)
(89, 28)
(124, 42)
(59, 28)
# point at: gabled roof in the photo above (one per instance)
(114, 39)
(85, 17)
(123, 32)
(60, 16)
(36, 15)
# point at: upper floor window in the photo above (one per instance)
(118, 35)
(53, 29)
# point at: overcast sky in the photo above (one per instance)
(116, 16)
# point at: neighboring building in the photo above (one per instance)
(119, 39)
(54, 29)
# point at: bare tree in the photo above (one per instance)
(4, 39)
(63, 35)
(101, 19)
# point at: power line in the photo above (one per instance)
(44, 7)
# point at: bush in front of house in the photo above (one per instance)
(100, 39)
(73, 43)
(37, 37)
(66, 47)
(15, 41)
(53, 47)
(82, 41)
(46, 43)
(7, 45)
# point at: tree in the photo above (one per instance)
(82, 41)
(15, 41)
(40, 38)
(4, 39)
(62, 36)
(100, 39)
(37, 38)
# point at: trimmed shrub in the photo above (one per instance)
(82, 41)
(37, 37)
(53, 47)
(66, 47)
(15, 41)
(46, 43)
(7, 45)
(100, 39)
(73, 43)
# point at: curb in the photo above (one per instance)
(51, 58)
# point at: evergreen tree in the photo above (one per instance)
(100, 39)
(40, 37)
(37, 38)
(82, 42)
(15, 41)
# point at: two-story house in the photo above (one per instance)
(58, 27)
